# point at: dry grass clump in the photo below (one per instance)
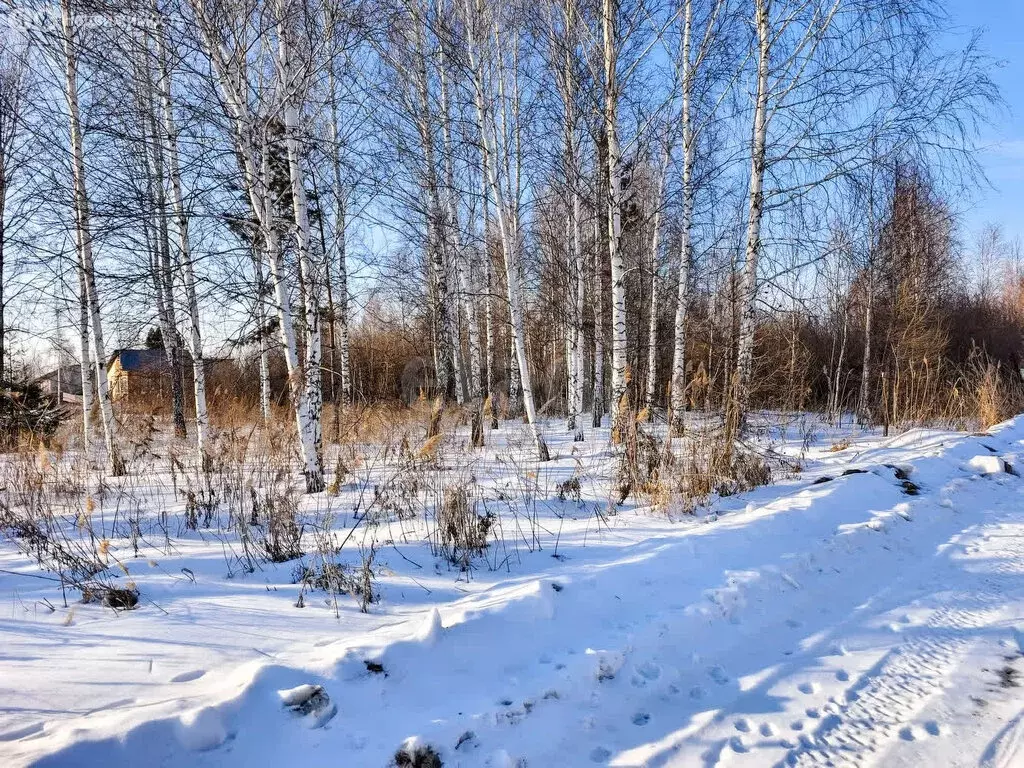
(640, 461)
(461, 533)
(681, 479)
(276, 512)
(570, 490)
(336, 578)
(976, 395)
(997, 395)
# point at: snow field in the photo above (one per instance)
(839, 617)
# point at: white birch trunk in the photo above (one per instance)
(489, 305)
(576, 281)
(652, 327)
(312, 469)
(255, 166)
(261, 319)
(837, 376)
(84, 239)
(863, 397)
(443, 352)
(507, 229)
(340, 222)
(454, 247)
(740, 396)
(863, 402)
(291, 90)
(162, 273)
(620, 349)
(677, 404)
(598, 294)
(86, 355)
(170, 139)
(574, 330)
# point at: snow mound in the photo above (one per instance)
(201, 730)
(431, 629)
(987, 465)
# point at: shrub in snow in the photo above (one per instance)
(340, 579)
(200, 505)
(413, 754)
(569, 490)
(461, 532)
(398, 498)
(309, 701)
(26, 413)
(748, 471)
(639, 463)
(277, 511)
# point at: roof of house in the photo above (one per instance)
(69, 371)
(139, 359)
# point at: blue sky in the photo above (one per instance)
(1002, 200)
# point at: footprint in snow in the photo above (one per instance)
(641, 718)
(807, 688)
(813, 712)
(697, 692)
(793, 623)
(806, 741)
(600, 755)
(767, 730)
(797, 725)
(909, 733)
(842, 676)
(187, 677)
(649, 670)
(738, 744)
(933, 728)
(718, 675)
(742, 725)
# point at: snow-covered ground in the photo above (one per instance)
(867, 610)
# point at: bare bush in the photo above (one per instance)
(461, 533)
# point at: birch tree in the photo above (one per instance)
(157, 224)
(655, 302)
(293, 87)
(564, 64)
(340, 299)
(692, 73)
(495, 157)
(613, 204)
(13, 93)
(169, 140)
(226, 41)
(83, 234)
(831, 80)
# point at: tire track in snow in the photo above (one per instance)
(1007, 749)
(886, 698)
(889, 696)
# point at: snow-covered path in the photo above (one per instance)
(867, 612)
